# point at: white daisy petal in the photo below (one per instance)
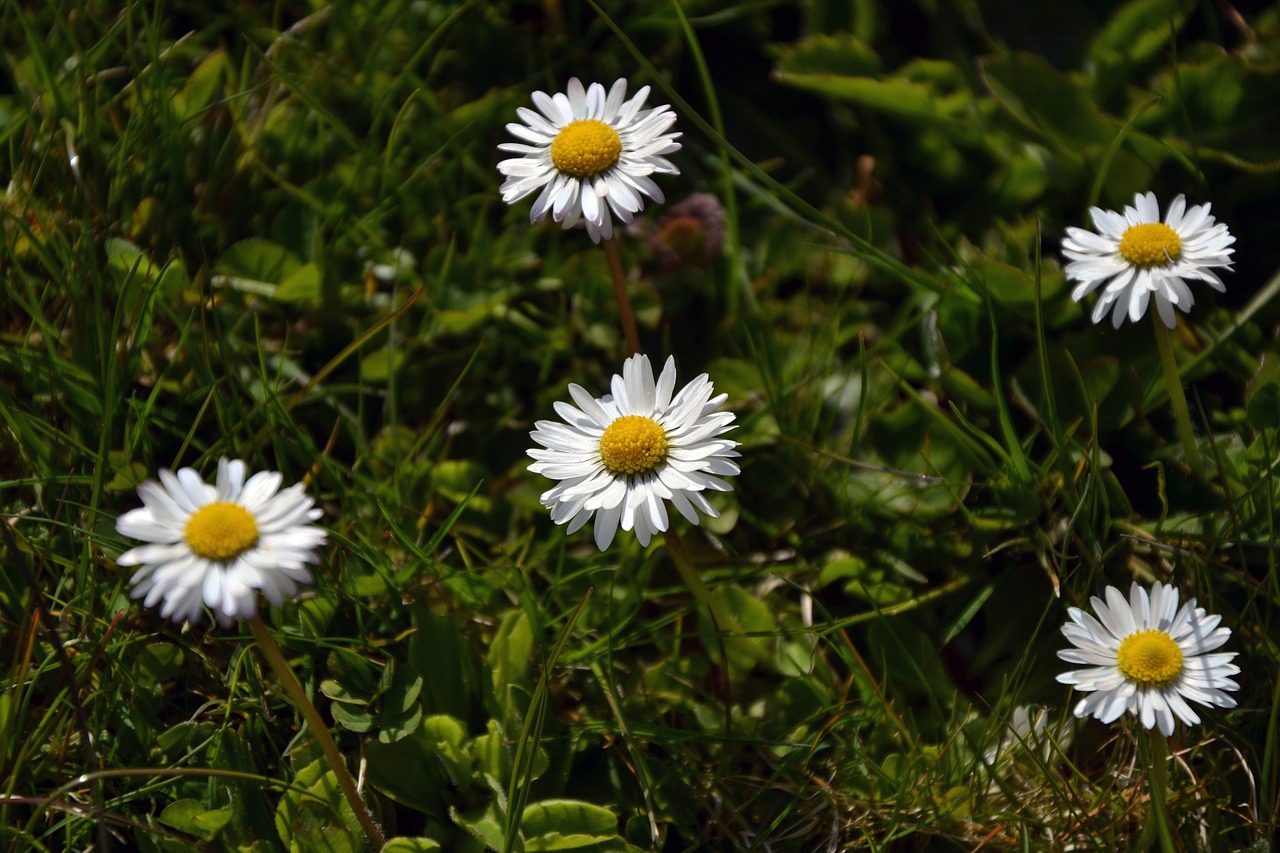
(1146, 657)
(582, 179)
(624, 456)
(1134, 258)
(214, 545)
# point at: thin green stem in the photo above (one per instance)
(293, 688)
(1158, 778)
(720, 619)
(1178, 400)
(625, 315)
(684, 565)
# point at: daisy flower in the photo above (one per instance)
(1135, 256)
(1147, 656)
(621, 457)
(214, 544)
(589, 154)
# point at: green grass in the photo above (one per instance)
(273, 232)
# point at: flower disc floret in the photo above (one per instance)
(621, 458)
(1150, 244)
(633, 444)
(1148, 657)
(591, 157)
(585, 148)
(220, 531)
(1135, 258)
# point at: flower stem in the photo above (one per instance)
(298, 696)
(720, 619)
(691, 578)
(625, 315)
(1158, 779)
(1178, 400)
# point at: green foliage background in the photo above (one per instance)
(272, 231)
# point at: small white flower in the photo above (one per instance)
(1148, 657)
(1136, 256)
(215, 544)
(589, 154)
(621, 457)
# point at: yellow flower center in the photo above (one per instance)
(1151, 244)
(633, 444)
(221, 531)
(585, 148)
(1149, 658)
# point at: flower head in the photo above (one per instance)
(1135, 256)
(214, 544)
(691, 233)
(1147, 656)
(621, 457)
(589, 154)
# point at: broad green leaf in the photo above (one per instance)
(485, 824)
(566, 824)
(411, 845)
(408, 772)
(439, 653)
(258, 260)
(1044, 98)
(456, 479)
(1264, 407)
(355, 718)
(900, 98)
(840, 55)
(127, 476)
(193, 817)
(1135, 33)
(354, 679)
(157, 663)
(201, 86)
(399, 711)
(747, 614)
(492, 755)
(128, 258)
(302, 285)
(314, 812)
(509, 656)
(378, 365)
(447, 738)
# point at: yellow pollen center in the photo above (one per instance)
(1151, 244)
(633, 444)
(585, 147)
(221, 531)
(1149, 658)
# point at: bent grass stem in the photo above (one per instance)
(293, 688)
